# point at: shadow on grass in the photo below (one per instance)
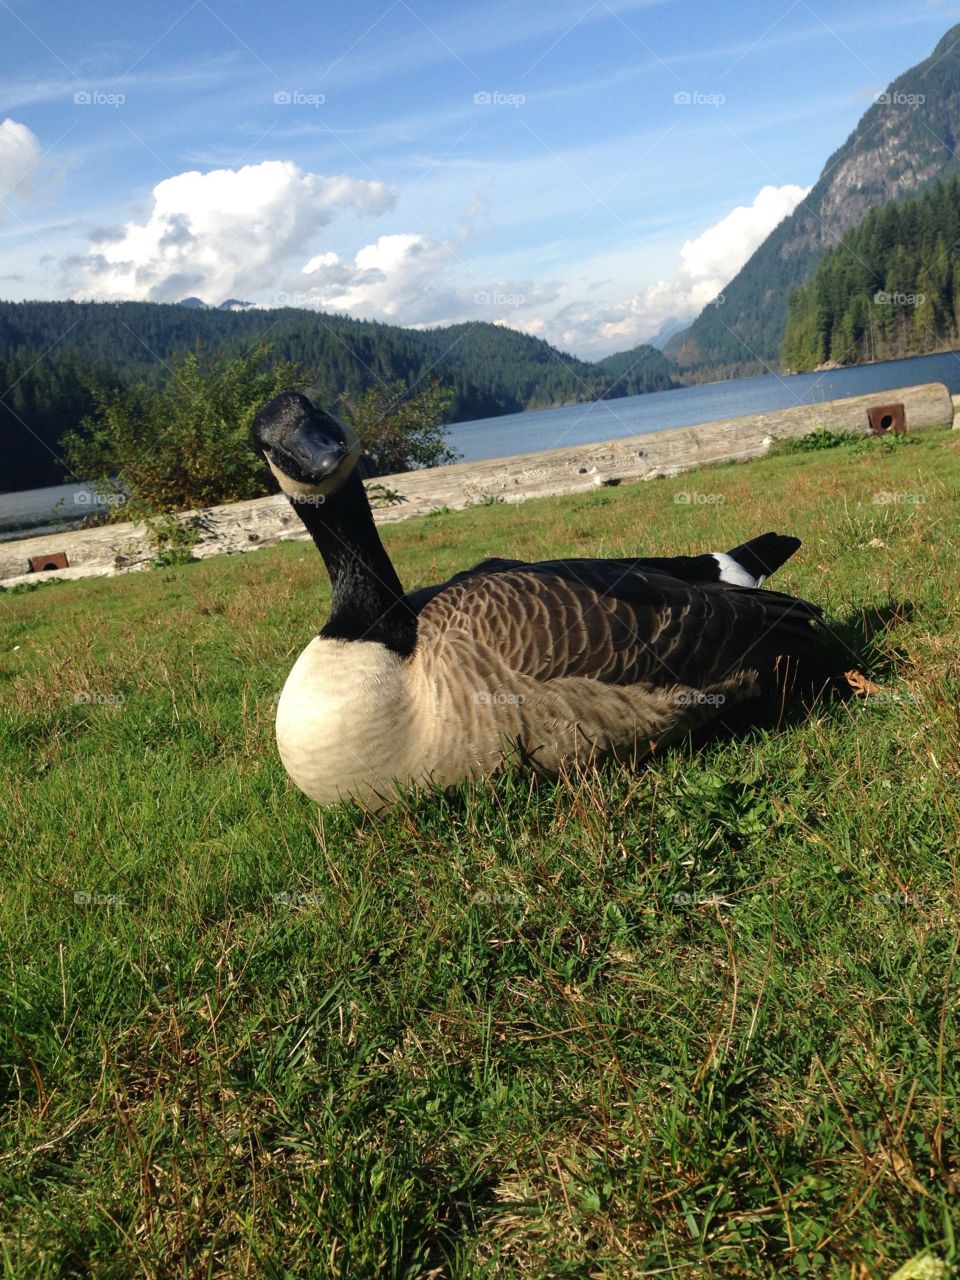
(857, 642)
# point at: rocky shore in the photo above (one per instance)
(261, 522)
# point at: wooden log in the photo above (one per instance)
(245, 526)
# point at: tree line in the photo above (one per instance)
(889, 288)
(58, 360)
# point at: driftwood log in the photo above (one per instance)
(245, 526)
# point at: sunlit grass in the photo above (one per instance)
(697, 1020)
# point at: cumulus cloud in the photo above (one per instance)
(19, 153)
(399, 277)
(707, 263)
(254, 233)
(412, 279)
(225, 233)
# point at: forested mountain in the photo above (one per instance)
(891, 287)
(903, 142)
(50, 352)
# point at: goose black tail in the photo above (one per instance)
(764, 555)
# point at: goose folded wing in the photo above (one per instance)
(611, 621)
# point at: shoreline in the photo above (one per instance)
(240, 527)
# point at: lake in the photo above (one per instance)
(56, 508)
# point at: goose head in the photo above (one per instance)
(311, 453)
(313, 456)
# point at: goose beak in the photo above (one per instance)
(315, 454)
(307, 449)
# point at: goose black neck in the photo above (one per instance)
(368, 599)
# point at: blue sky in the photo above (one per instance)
(584, 170)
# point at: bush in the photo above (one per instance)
(401, 431)
(186, 444)
(820, 438)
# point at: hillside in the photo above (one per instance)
(890, 288)
(50, 352)
(903, 142)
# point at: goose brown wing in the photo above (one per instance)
(612, 622)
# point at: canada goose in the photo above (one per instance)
(562, 660)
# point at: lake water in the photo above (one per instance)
(56, 508)
(691, 406)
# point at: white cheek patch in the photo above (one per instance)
(734, 573)
(329, 484)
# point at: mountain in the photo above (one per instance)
(522, 372)
(231, 304)
(890, 288)
(669, 331)
(51, 352)
(903, 143)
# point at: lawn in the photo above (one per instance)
(699, 1020)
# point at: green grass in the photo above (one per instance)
(699, 1020)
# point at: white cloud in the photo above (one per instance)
(398, 278)
(252, 233)
(19, 153)
(707, 263)
(226, 233)
(415, 280)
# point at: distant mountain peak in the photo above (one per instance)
(195, 304)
